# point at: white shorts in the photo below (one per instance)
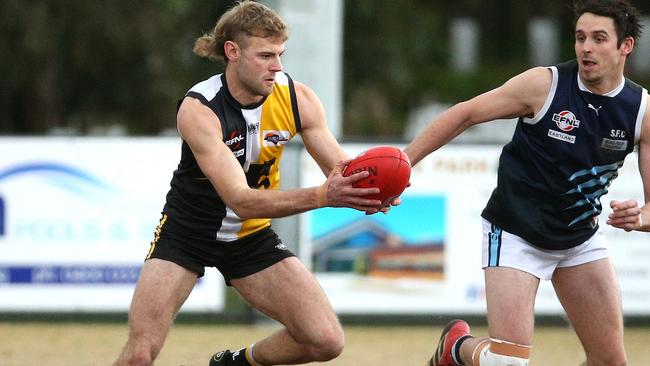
(502, 249)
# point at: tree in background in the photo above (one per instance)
(81, 67)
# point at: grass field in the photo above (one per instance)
(79, 344)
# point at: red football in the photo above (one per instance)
(389, 168)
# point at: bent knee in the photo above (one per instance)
(327, 351)
(141, 353)
(328, 345)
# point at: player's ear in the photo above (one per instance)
(627, 46)
(232, 51)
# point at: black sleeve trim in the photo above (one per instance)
(294, 104)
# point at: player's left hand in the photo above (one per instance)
(626, 215)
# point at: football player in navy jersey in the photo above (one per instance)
(217, 213)
(576, 123)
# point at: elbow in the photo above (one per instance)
(242, 210)
(250, 209)
(241, 203)
(467, 119)
(245, 214)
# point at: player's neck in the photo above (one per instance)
(604, 86)
(239, 91)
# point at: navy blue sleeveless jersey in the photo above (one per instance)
(559, 164)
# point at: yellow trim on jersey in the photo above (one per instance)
(251, 226)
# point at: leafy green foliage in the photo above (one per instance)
(78, 66)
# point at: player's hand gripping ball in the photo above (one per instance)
(389, 168)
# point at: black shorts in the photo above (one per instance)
(234, 259)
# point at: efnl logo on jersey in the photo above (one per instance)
(565, 121)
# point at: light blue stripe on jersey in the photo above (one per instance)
(593, 198)
(603, 176)
(604, 180)
(595, 171)
(495, 246)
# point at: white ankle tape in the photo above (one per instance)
(492, 359)
(504, 353)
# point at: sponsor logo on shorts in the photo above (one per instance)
(281, 246)
(562, 136)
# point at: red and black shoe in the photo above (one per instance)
(454, 330)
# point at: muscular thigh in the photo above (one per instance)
(162, 288)
(288, 293)
(591, 298)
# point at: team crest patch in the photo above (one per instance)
(274, 138)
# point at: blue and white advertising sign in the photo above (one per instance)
(76, 220)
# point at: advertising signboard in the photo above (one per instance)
(424, 256)
(76, 220)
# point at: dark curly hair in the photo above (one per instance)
(625, 16)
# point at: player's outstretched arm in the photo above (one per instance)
(627, 215)
(523, 95)
(201, 129)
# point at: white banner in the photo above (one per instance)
(76, 219)
(425, 255)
